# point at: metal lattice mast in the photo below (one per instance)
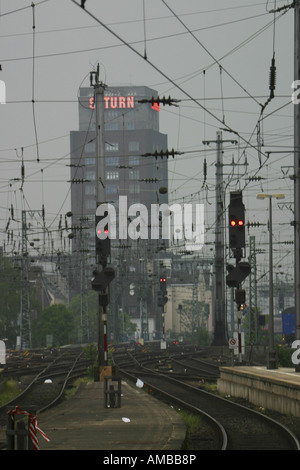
(25, 321)
(84, 314)
(297, 172)
(195, 303)
(253, 314)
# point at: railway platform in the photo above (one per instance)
(273, 389)
(83, 422)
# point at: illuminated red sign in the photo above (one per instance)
(115, 102)
(155, 106)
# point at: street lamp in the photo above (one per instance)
(272, 360)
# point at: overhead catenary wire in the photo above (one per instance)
(224, 97)
(272, 77)
(160, 71)
(145, 35)
(232, 51)
(208, 52)
(239, 46)
(33, 81)
(149, 19)
(17, 10)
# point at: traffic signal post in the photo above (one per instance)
(238, 273)
(272, 362)
(103, 274)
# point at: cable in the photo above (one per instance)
(232, 51)
(160, 72)
(145, 38)
(204, 109)
(33, 80)
(79, 51)
(272, 78)
(21, 9)
(208, 52)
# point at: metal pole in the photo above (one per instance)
(239, 317)
(99, 88)
(272, 356)
(271, 361)
(220, 333)
(219, 245)
(297, 174)
(25, 320)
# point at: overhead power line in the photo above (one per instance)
(155, 67)
(208, 52)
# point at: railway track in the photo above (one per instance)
(231, 426)
(193, 365)
(45, 388)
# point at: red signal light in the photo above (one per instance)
(234, 223)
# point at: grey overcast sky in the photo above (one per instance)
(214, 56)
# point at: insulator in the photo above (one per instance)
(272, 78)
(205, 169)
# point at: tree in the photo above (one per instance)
(10, 282)
(203, 337)
(75, 307)
(127, 327)
(190, 317)
(57, 321)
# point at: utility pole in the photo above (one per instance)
(220, 336)
(220, 310)
(297, 173)
(85, 331)
(253, 294)
(25, 320)
(99, 88)
(272, 362)
(25, 315)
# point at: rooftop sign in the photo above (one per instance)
(115, 102)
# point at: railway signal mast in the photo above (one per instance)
(220, 335)
(103, 274)
(238, 273)
(297, 174)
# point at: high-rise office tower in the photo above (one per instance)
(131, 131)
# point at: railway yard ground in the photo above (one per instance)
(83, 423)
(176, 409)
